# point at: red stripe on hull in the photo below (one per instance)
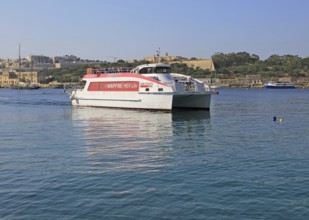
(114, 86)
(113, 75)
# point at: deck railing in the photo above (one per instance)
(109, 70)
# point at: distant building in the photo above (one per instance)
(166, 58)
(68, 65)
(9, 77)
(205, 64)
(227, 82)
(39, 59)
(65, 58)
(254, 80)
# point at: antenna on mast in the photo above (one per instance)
(19, 59)
(158, 55)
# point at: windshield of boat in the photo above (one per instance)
(155, 70)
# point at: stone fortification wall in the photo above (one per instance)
(205, 64)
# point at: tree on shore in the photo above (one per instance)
(243, 63)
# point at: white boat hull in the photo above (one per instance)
(279, 85)
(146, 101)
(154, 101)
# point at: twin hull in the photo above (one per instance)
(138, 93)
(159, 101)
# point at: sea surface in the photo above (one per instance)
(234, 162)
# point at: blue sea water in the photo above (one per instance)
(234, 162)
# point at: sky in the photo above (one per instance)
(134, 29)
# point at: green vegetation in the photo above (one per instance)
(195, 72)
(227, 66)
(63, 75)
(242, 63)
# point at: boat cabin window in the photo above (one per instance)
(155, 70)
(162, 70)
(147, 70)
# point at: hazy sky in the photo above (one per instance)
(134, 29)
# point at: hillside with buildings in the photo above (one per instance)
(31, 69)
(227, 70)
(205, 64)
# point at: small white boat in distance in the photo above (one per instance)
(214, 86)
(279, 85)
(149, 86)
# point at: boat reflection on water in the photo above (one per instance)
(189, 126)
(134, 123)
(190, 115)
(122, 123)
(117, 139)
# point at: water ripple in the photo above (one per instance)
(62, 162)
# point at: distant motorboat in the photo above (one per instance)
(23, 85)
(214, 87)
(279, 85)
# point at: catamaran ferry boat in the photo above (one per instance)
(279, 85)
(149, 86)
